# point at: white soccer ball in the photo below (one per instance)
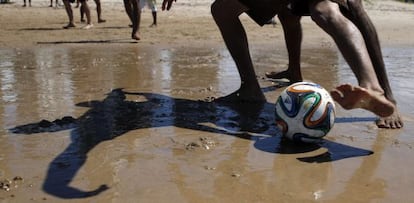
(305, 112)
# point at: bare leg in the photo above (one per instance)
(361, 19)
(293, 38)
(69, 12)
(153, 7)
(226, 15)
(134, 14)
(99, 11)
(128, 9)
(154, 19)
(87, 11)
(350, 42)
(136, 19)
(82, 14)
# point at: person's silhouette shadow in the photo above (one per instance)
(115, 116)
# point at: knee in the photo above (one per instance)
(226, 10)
(325, 16)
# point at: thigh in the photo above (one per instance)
(301, 7)
(228, 8)
(262, 11)
(323, 7)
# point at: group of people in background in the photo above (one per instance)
(133, 9)
(84, 11)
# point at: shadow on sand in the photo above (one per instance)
(115, 116)
(114, 41)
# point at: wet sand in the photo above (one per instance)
(92, 116)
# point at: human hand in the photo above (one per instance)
(167, 4)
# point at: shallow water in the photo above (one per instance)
(128, 123)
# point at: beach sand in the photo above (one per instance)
(93, 116)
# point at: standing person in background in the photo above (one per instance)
(134, 13)
(151, 5)
(51, 3)
(69, 12)
(24, 3)
(98, 11)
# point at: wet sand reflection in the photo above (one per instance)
(100, 95)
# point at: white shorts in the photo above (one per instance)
(150, 3)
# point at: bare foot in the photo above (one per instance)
(68, 26)
(243, 96)
(351, 97)
(393, 121)
(136, 37)
(101, 20)
(283, 75)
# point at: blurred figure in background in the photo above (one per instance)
(98, 11)
(134, 13)
(151, 4)
(69, 12)
(24, 3)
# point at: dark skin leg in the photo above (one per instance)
(86, 10)
(360, 18)
(293, 34)
(99, 11)
(136, 19)
(69, 12)
(128, 9)
(362, 21)
(82, 13)
(154, 18)
(369, 94)
(226, 15)
(134, 14)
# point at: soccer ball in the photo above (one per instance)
(305, 112)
